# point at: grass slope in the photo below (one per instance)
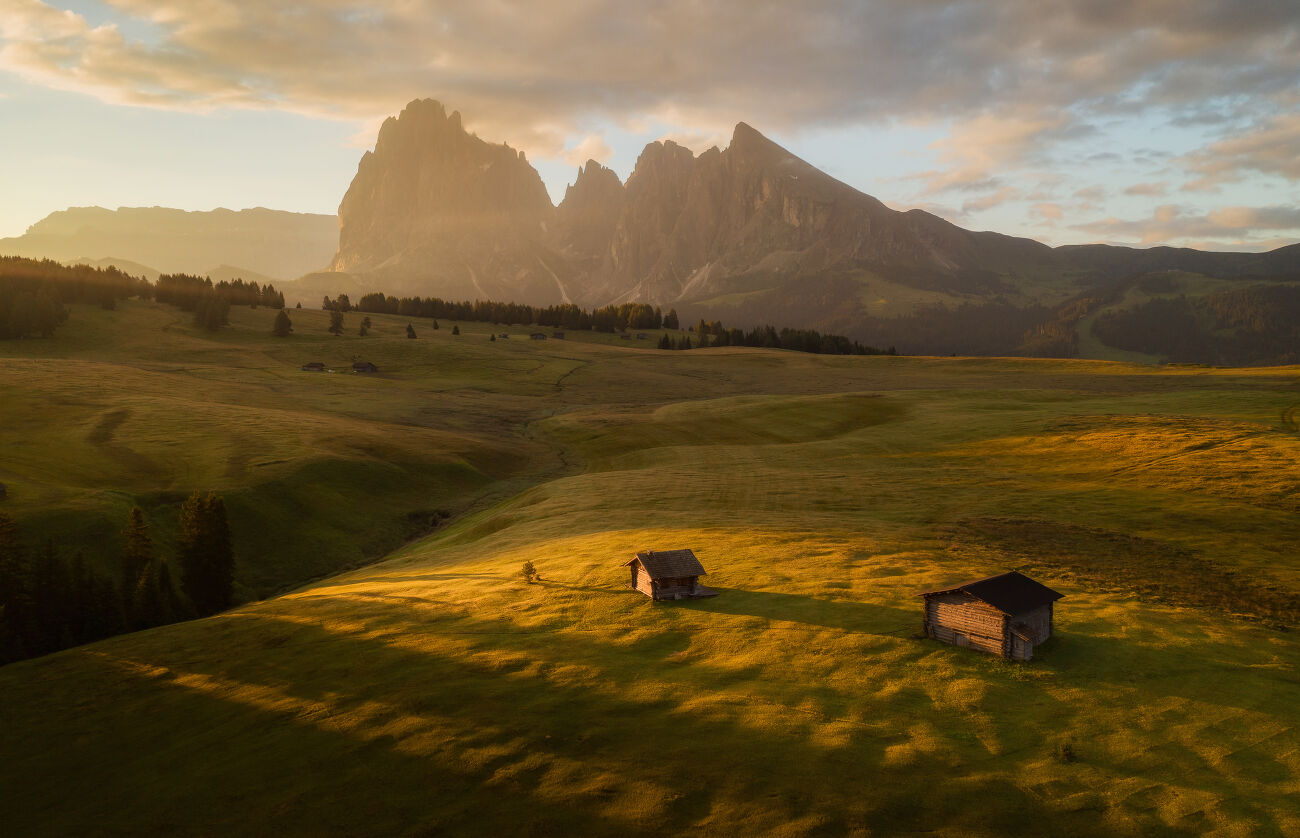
(436, 693)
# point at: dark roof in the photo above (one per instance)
(1010, 593)
(666, 564)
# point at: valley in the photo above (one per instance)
(386, 679)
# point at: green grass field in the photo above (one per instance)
(435, 693)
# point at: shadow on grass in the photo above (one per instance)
(862, 617)
(380, 739)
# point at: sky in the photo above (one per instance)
(1138, 122)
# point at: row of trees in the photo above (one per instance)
(1259, 324)
(566, 316)
(608, 319)
(211, 302)
(34, 293)
(713, 333)
(187, 291)
(50, 602)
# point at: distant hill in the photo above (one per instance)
(745, 234)
(271, 243)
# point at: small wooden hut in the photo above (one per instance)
(668, 574)
(1008, 615)
(314, 366)
(364, 366)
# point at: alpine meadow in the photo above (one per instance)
(606, 459)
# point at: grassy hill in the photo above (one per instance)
(437, 693)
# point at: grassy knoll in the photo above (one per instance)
(436, 693)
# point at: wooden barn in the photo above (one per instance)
(668, 574)
(364, 366)
(314, 366)
(1005, 615)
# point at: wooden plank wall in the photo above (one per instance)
(1039, 622)
(962, 620)
(643, 582)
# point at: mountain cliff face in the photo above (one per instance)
(749, 232)
(434, 209)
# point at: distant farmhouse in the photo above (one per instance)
(558, 335)
(1005, 615)
(668, 574)
(313, 366)
(537, 336)
(364, 366)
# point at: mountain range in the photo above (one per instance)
(256, 244)
(747, 233)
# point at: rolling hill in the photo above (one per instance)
(434, 692)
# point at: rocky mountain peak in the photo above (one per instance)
(428, 180)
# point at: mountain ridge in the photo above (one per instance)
(750, 222)
(273, 243)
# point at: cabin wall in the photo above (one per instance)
(962, 620)
(641, 580)
(670, 587)
(1038, 622)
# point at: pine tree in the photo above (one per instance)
(283, 325)
(15, 602)
(492, 337)
(137, 551)
(455, 330)
(148, 607)
(11, 570)
(410, 331)
(365, 327)
(665, 342)
(435, 324)
(336, 322)
(670, 319)
(207, 561)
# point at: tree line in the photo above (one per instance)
(564, 316)
(211, 302)
(34, 293)
(49, 601)
(1259, 324)
(624, 317)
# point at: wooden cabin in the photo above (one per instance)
(364, 366)
(1005, 615)
(314, 366)
(558, 335)
(668, 574)
(537, 336)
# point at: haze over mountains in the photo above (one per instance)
(256, 244)
(746, 234)
(749, 232)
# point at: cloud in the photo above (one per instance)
(1047, 214)
(987, 202)
(1147, 189)
(1271, 148)
(1224, 227)
(592, 147)
(1021, 76)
